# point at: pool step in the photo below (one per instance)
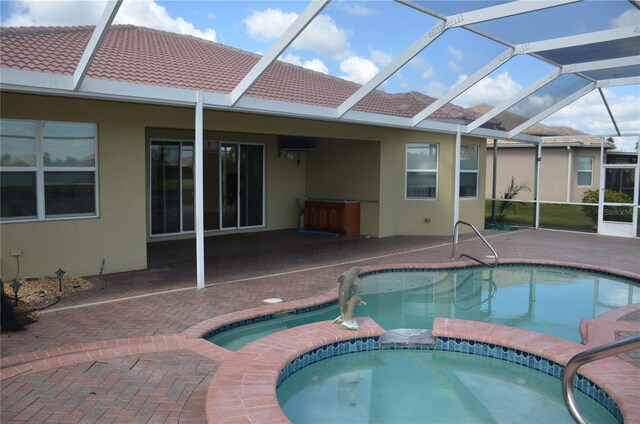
(407, 336)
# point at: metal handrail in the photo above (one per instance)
(600, 352)
(455, 242)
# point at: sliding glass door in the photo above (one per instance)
(229, 189)
(233, 186)
(251, 190)
(242, 193)
(168, 186)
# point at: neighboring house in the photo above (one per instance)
(569, 167)
(88, 182)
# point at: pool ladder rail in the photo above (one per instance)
(464, 255)
(590, 355)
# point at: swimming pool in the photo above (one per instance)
(400, 386)
(550, 300)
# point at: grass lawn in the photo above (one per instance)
(568, 217)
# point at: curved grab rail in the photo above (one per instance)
(455, 242)
(585, 357)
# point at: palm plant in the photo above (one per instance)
(508, 205)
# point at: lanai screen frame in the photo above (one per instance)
(79, 85)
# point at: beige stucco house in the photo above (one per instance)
(569, 167)
(88, 182)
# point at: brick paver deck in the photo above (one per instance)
(74, 343)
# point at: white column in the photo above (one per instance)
(569, 170)
(636, 192)
(198, 188)
(494, 182)
(536, 190)
(601, 188)
(456, 183)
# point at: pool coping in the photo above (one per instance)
(233, 319)
(244, 387)
(243, 390)
(261, 396)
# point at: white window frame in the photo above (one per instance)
(470, 171)
(407, 170)
(590, 172)
(40, 169)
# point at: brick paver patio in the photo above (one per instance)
(141, 380)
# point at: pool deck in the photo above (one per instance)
(128, 351)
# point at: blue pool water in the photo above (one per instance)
(391, 386)
(542, 299)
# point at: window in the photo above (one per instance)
(469, 171)
(47, 170)
(585, 171)
(422, 171)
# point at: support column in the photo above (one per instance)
(569, 171)
(536, 189)
(601, 188)
(494, 182)
(636, 192)
(198, 163)
(456, 183)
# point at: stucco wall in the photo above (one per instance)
(79, 245)
(370, 159)
(576, 191)
(120, 234)
(349, 170)
(554, 168)
(409, 217)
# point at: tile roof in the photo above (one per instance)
(576, 141)
(148, 56)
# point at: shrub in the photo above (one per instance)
(610, 196)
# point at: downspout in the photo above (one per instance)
(536, 190)
(199, 190)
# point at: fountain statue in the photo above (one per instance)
(348, 299)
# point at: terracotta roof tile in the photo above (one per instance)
(148, 56)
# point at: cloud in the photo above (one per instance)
(488, 90)
(78, 12)
(380, 57)
(43, 13)
(454, 53)
(156, 16)
(314, 64)
(426, 70)
(628, 18)
(358, 69)
(588, 114)
(317, 65)
(355, 9)
(435, 89)
(532, 105)
(322, 35)
(453, 67)
(269, 23)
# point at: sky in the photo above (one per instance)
(356, 39)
